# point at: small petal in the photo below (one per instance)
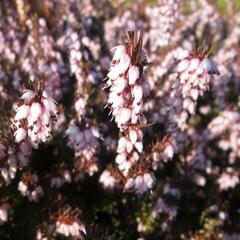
(194, 64)
(133, 136)
(183, 54)
(209, 66)
(20, 134)
(139, 146)
(124, 116)
(22, 112)
(124, 63)
(129, 183)
(133, 74)
(182, 66)
(149, 179)
(137, 93)
(119, 51)
(35, 111)
(28, 94)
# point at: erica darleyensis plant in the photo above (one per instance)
(128, 87)
(97, 167)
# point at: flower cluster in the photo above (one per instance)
(62, 176)
(34, 117)
(67, 224)
(28, 187)
(228, 179)
(141, 183)
(107, 180)
(12, 157)
(128, 87)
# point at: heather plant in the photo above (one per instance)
(119, 119)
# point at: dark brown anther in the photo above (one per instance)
(133, 45)
(202, 49)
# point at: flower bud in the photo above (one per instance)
(20, 134)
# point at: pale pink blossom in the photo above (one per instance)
(4, 212)
(141, 183)
(34, 118)
(20, 134)
(227, 180)
(107, 180)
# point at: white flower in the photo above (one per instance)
(182, 66)
(120, 158)
(133, 135)
(35, 111)
(28, 95)
(4, 213)
(107, 179)
(137, 93)
(169, 151)
(193, 65)
(85, 144)
(130, 183)
(124, 116)
(20, 134)
(22, 188)
(133, 74)
(22, 112)
(119, 51)
(149, 179)
(124, 63)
